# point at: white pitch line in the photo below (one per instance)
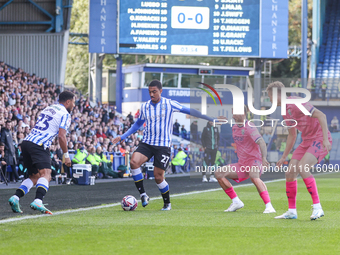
(116, 204)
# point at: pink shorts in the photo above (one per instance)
(314, 147)
(243, 170)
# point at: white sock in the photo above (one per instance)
(16, 197)
(135, 172)
(142, 194)
(236, 200)
(317, 206)
(292, 211)
(42, 182)
(162, 185)
(37, 200)
(269, 205)
(26, 185)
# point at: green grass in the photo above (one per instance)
(196, 225)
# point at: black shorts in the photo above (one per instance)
(35, 157)
(161, 154)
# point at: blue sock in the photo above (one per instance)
(138, 178)
(164, 189)
(24, 188)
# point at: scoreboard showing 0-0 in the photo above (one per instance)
(240, 28)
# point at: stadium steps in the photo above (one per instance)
(328, 68)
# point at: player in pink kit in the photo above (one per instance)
(252, 154)
(317, 142)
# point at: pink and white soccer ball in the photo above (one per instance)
(129, 203)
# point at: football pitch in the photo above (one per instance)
(197, 224)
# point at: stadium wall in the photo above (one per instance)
(43, 54)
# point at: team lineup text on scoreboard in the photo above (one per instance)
(191, 27)
(240, 28)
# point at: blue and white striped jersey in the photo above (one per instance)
(47, 127)
(158, 118)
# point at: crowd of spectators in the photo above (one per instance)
(180, 131)
(24, 96)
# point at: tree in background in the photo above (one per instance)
(77, 65)
(291, 67)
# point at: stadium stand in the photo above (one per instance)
(328, 69)
(23, 96)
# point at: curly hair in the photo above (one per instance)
(275, 84)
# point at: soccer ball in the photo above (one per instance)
(129, 203)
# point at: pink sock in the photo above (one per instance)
(312, 189)
(265, 197)
(291, 190)
(231, 193)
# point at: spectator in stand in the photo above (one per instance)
(20, 137)
(175, 151)
(327, 159)
(179, 161)
(12, 99)
(105, 164)
(176, 128)
(194, 130)
(117, 121)
(91, 131)
(55, 162)
(25, 122)
(122, 150)
(335, 124)
(3, 163)
(137, 114)
(282, 147)
(15, 139)
(7, 140)
(130, 117)
(91, 159)
(100, 133)
(80, 156)
(16, 115)
(105, 117)
(298, 83)
(183, 132)
(323, 90)
(70, 145)
(210, 140)
(313, 90)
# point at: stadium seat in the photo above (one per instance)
(329, 53)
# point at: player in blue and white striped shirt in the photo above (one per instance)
(53, 120)
(157, 113)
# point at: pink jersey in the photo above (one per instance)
(245, 138)
(309, 127)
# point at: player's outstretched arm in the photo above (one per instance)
(131, 131)
(289, 146)
(195, 113)
(263, 149)
(63, 145)
(323, 122)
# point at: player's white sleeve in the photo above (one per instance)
(65, 121)
(176, 107)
